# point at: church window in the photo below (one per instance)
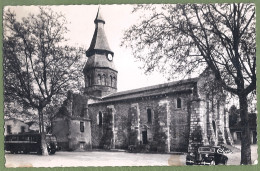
(179, 103)
(144, 135)
(111, 81)
(149, 115)
(99, 119)
(99, 79)
(214, 127)
(104, 80)
(81, 126)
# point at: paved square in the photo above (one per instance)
(103, 158)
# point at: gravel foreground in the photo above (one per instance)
(101, 158)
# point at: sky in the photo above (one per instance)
(118, 18)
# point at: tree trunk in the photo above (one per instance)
(40, 126)
(43, 140)
(245, 141)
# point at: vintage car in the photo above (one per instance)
(30, 142)
(207, 155)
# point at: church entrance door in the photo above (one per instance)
(81, 145)
(144, 135)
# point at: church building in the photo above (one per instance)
(170, 117)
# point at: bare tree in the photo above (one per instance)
(185, 38)
(38, 65)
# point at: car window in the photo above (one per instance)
(50, 138)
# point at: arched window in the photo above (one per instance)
(214, 126)
(114, 81)
(149, 115)
(178, 103)
(104, 80)
(81, 127)
(99, 119)
(99, 79)
(111, 81)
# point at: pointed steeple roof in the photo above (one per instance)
(99, 40)
(99, 17)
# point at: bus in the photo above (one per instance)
(29, 142)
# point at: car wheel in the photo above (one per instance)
(225, 163)
(49, 150)
(39, 151)
(52, 152)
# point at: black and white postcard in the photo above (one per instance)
(130, 85)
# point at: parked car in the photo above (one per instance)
(52, 144)
(207, 155)
(29, 142)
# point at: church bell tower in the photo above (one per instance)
(100, 72)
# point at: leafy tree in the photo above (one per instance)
(51, 111)
(15, 110)
(185, 38)
(38, 65)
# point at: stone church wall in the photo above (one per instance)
(174, 121)
(100, 81)
(61, 130)
(67, 126)
(208, 117)
(180, 123)
(96, 129)
(186, 116)
(79, 139)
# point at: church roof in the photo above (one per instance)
(99, 40)
(99, 61)
(156, 90)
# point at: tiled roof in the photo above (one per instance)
(99, 61)
(160, 89)
(99, 40)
